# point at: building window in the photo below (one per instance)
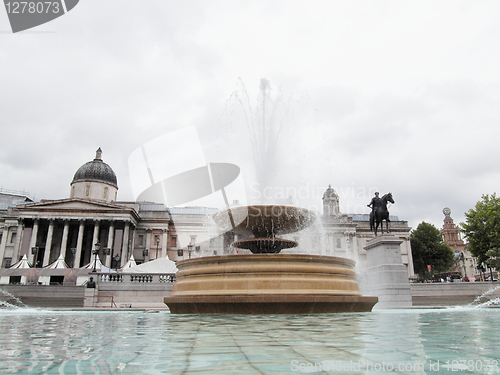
(193, 240)
(13, 237)
(173, 241)
(339, 243)
(87, 190)
(140, 240)
(105, 193)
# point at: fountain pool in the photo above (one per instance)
(415, 341)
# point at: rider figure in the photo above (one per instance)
(375, 203)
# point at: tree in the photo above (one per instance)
(482, 227)
(428, 248)
(494, 258)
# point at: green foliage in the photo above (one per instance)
(482, 227)
(494, 258)
(428, 249)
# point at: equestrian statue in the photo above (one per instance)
(380, 212)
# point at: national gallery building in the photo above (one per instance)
(91, 222)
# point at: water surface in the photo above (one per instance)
(459, 340)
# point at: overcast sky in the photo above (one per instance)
(399, 96)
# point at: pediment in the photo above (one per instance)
(72, 204)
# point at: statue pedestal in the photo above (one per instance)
(386, 277)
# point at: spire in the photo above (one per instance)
(98, 154)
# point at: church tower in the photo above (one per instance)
(330, 202)
(464, 262)
(451, 233)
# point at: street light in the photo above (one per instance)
(190, 248)
(73, 251)
(117, 259)
(34, 251)
(97, 247)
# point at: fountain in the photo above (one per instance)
(266, 282)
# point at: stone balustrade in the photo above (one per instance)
(135, 278)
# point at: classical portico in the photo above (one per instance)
(72, 227)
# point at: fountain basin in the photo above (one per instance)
(267, 284)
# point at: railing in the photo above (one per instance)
(135, 278)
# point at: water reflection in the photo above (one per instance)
(410, 341)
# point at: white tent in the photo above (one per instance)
(96, 262)
(59, 263)
(131, 263)
(23, 263)
(99, 267)
(160, 265)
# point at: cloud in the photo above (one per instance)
(399, 96)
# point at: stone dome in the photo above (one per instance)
(96, 170)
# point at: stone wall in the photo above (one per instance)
(453, 294)
(51, 296)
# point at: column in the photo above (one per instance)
(132, 240)
(111, 236)
(3, 244)
(19, 241)
(79, 242)
(64, 242)
(95, 238)
(124, 254)
(148, 244)
(164, 243)
(48, 244)
(34, 234)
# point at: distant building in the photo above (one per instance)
(464, 262)
(73, 226)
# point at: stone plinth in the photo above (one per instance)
(267, 284)
(386, 277)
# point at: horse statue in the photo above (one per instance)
(380, 213)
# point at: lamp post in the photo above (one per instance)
(157, 244)
(97, 247)
(34, 251)
(190, 249)
(73, 252)
(117, 261)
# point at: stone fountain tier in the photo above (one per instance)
(265, 245)
(263, 223)
(267, 284)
